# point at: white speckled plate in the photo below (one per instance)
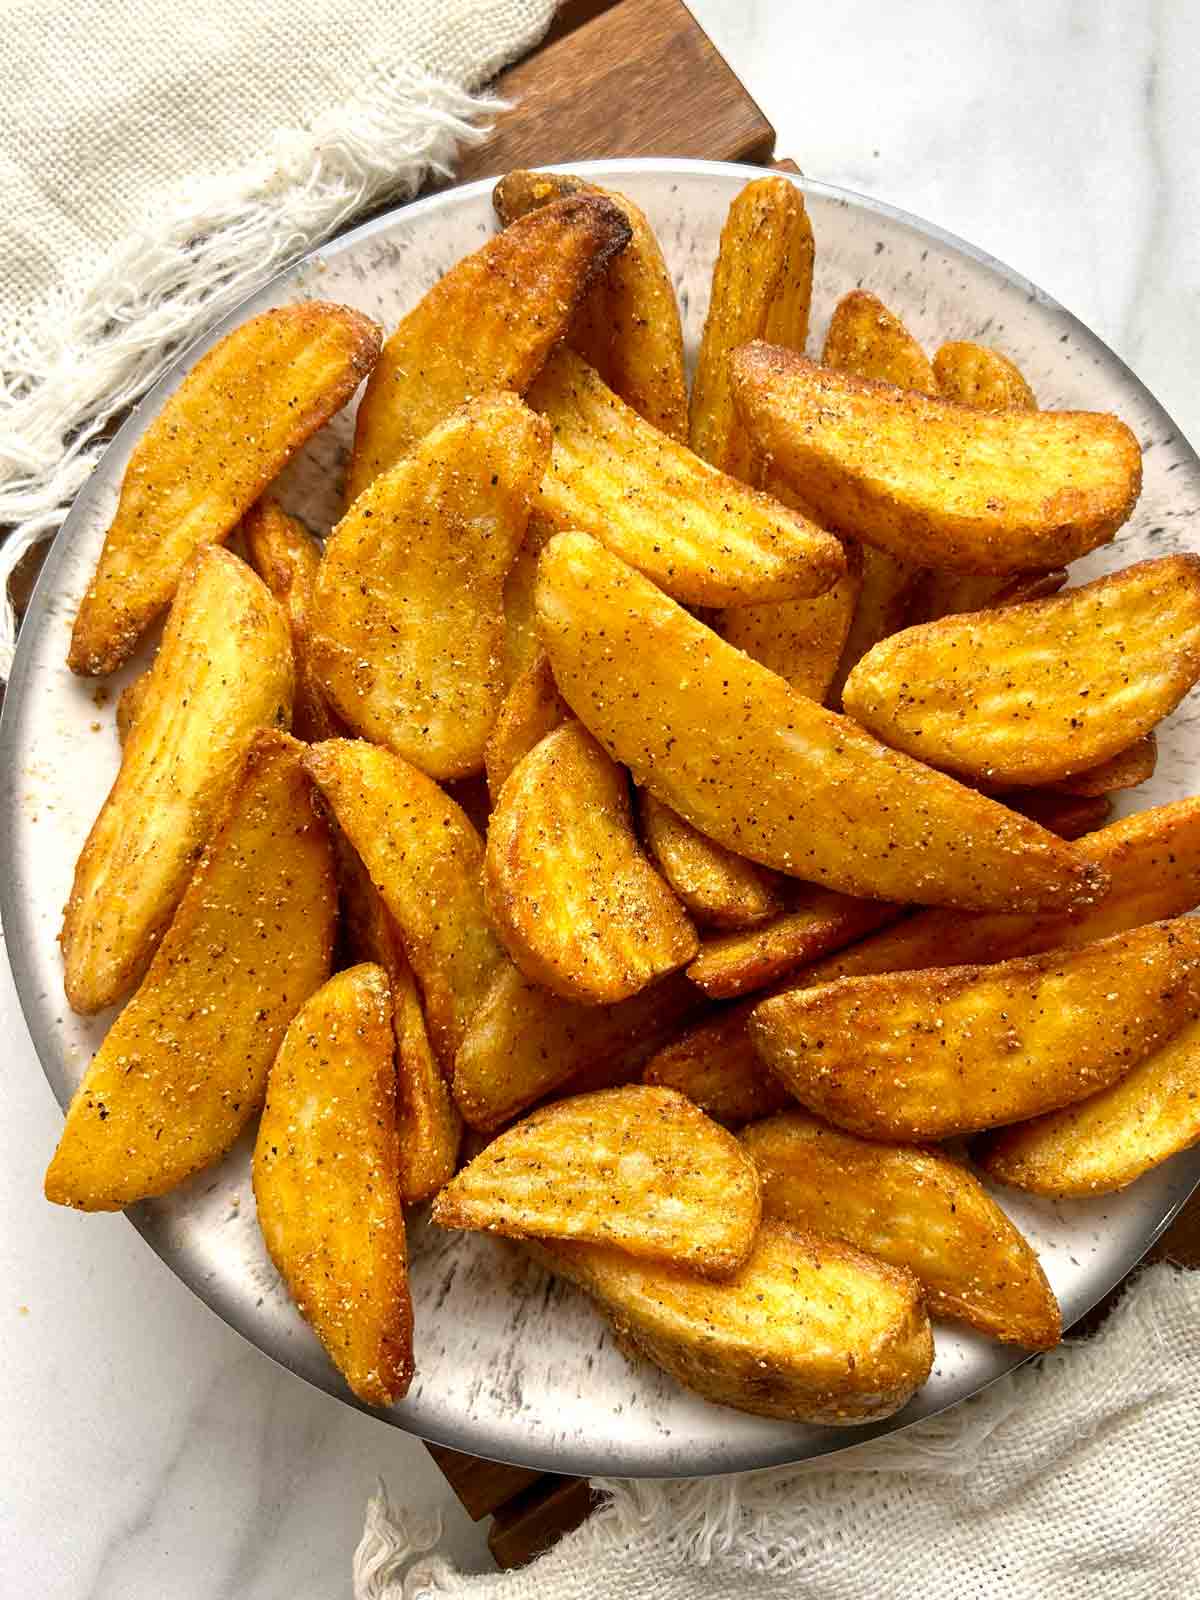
(510, 1363)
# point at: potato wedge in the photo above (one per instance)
(766, 772)
(488, 324)
(1032, 694)
(886, 597)
(409, 626)
(1070, 816)
(809, 1330)
(286, 557)
(720, 889)
(521, 644)
(977, 376)
(761, 289)
(232, 425)
(572, 896)
(1125, 770)
(628, 326)
(225, 657)
(524, 1042)
(184, 1067)
(531, 709)
(326, 1174)
(1104, 1143)
(820, 922)
(866, 339)
(913, 1208)
(949, 1050)
(934, 482)
(716, 1066)
(700, 535)
(639, 1168)
(424, 857)
(129, 705)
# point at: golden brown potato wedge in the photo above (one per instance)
(768, 773)
(1125, 770)
(866, 339)
(977, 376)
(232, 425)
(761, 289)
(223, 670)
(129, 705)
(523, 1042)
(913, 1208)
(409, 625)
(424, 857)
(715, 1065)
(886, 598)
(571, 894)
(818, 923)
(531, 709)
(286, 557)
(1070, 816)
(639, 1168)
(696, 532)
(720, 889)
(809, 1330)
(521, 646)
(949, 1050)
(1032, 694)
(326, 1171)
(628, 326)
(934, 482)
(1103, 1143)
(488, 324)
(184, 1067)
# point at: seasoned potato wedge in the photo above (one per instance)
(1103, 1143)
(977, 376)
(286, 557)
(761, 289)
(488, 324)
(913, 1208)
(1125, 770)
(571, 894)
(232, 425)
(129, 705)
(1070, 816)
(184, 1067)
(424, 857)
(809, 1330)
(223, 670)
(326, 1174)
(866, 339)
(628, 326)
(639, 1168)
(1031, 694)
(819, 922)
(715, 1065)
(948, 1050)
(531, 709)
(934, 482)
(768, 773)
(524, 1042)
(409, 627)
(800, 640)
(521, 645)
(720, 889)
(886, 597)
(697, 533)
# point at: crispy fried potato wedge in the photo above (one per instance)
(716, 1066)
(720, 889)
(575, 901)
(886, 597)
(927, 480)
(809, 1330)
(488, 324)
(1103, 1143)
(1125, 770)
(523, 1042)
(822, 921)
(696, 532)
(639, 1168)
(866, 339)
(1070, 816)
(531, 709)
(223, 670)
(232, 425)
(286, 557)
(761, 289)
(409, 623)
(977, 376)
(628, 326)
(521, 644)
(129, 705)
(768, 773)
(1032, 694)
(424, 857)
(184, 1067)
(913, 1208)
(949, 1050)
(326, 1170)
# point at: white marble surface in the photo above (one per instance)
(146, 1449)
